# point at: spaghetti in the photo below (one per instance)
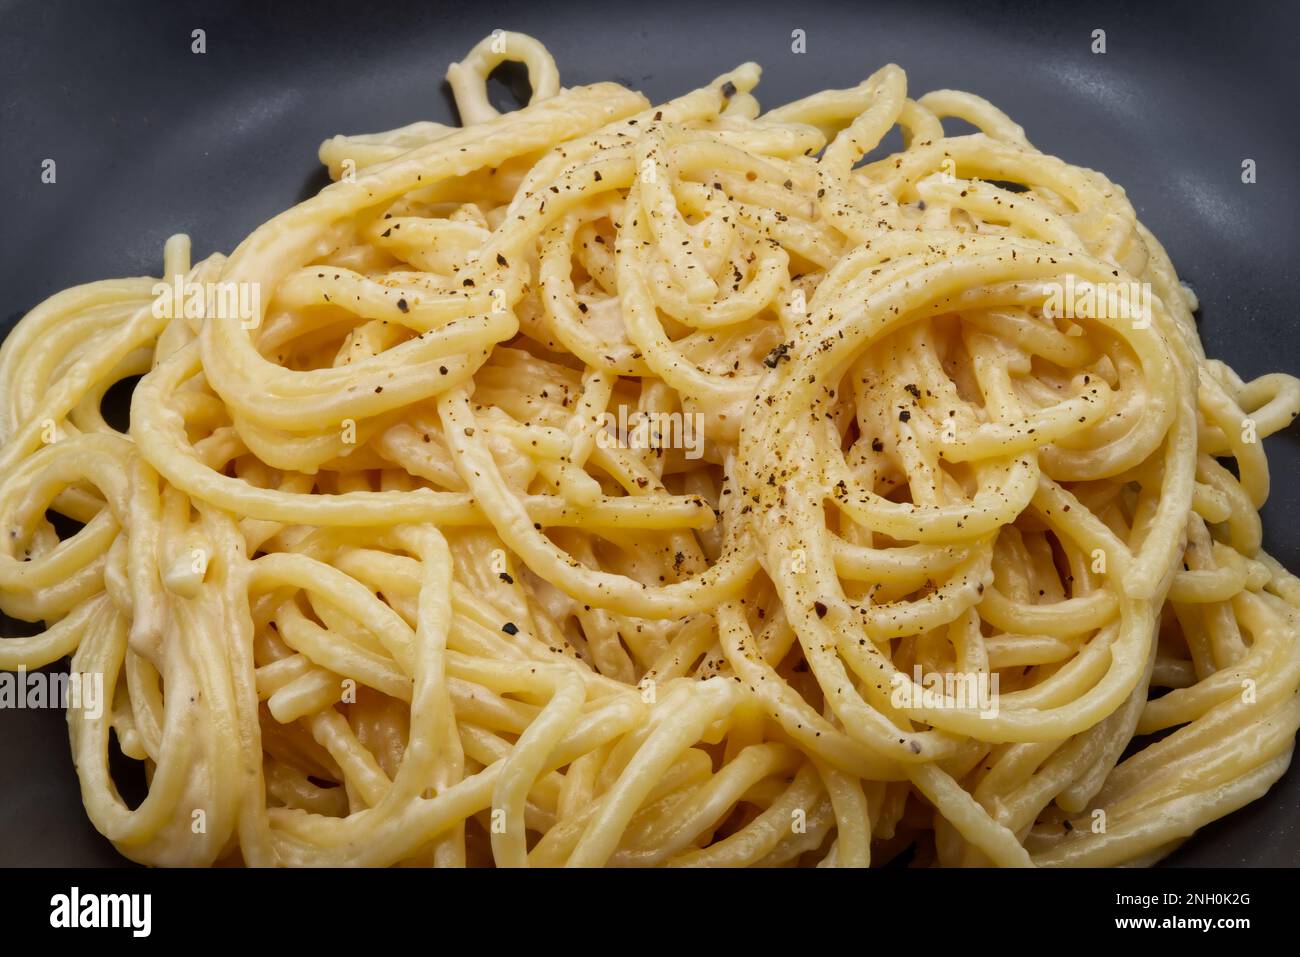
(603, 483)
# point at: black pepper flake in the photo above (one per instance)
(501, 260)
(776, 355)
(904, 416)
(820, 608)
(401, 304)
(728, 89)
(505, 577)
(510, 628)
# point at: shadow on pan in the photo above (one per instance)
(151, 138)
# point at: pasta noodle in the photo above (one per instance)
(603, 483)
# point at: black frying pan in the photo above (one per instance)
(150, 139)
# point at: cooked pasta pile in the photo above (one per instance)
(604, 483)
